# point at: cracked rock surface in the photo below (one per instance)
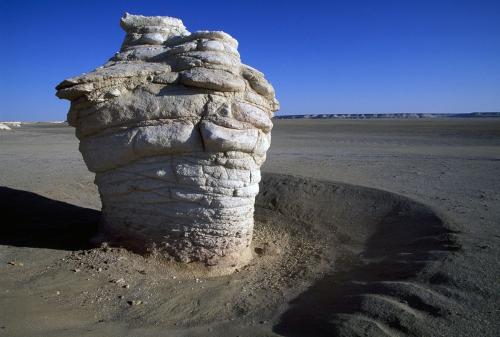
(175, 128)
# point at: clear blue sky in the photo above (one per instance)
(321, 56)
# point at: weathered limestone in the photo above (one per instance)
(176, 129)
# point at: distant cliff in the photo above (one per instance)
(391, 115)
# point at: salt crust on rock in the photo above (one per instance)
(176, 129)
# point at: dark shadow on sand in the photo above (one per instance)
(404, 242)
(31, 220)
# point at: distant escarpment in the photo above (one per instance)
(391, 115)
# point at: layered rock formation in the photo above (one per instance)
(175, 128)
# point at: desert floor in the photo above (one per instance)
(363, 228)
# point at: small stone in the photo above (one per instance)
(76, 270)
(14, 263)
(259, 250)
(134, 302)
(126, 286)
(58, 292)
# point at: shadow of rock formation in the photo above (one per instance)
(31, 220)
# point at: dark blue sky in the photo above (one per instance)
(321, 56)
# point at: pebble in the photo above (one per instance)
(134, 302)
(13, 263)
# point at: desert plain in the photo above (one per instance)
(363, 228)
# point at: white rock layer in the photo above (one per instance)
(4, 126)
(176, 129)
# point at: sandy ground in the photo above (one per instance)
(363, 228)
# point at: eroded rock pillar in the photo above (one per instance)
(175, 128)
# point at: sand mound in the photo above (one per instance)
(329, 259)
(381, 242)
